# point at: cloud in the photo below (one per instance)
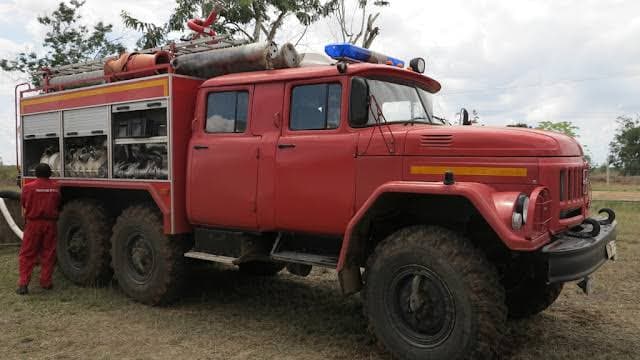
(513, 61)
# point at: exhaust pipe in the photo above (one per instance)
(12, 195)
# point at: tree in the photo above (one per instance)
(520, 125)
(625, 147)
(564, 127)
(67, 41)
(475, 116)
(567, 128)
(251, 20)
(366, 29)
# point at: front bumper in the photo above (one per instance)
(573, 256)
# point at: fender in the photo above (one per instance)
(160, 192)
(489, 203)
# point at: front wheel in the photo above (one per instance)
(148, 264)
(531, 297)
(430, 295)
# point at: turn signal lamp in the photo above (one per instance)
(344, 51)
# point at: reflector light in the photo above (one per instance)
(346, 51)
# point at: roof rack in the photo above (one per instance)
(176, 49)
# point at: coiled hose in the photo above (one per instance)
(12, 195)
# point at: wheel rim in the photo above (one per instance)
(77, 246)
(140, 258)
(421, 306)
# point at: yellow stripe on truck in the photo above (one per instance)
(468, 170)
(98, 91)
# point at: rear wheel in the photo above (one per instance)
(148, 264)
(84, 231)
(430, 295)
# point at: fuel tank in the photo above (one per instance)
(488, 141)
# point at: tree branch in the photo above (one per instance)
(276, 25)
(371, 32)
(240, 29)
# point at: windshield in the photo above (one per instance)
(400, 103)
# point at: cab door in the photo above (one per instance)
(315, 159)
(223, 161)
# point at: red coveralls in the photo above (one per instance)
(40, 201)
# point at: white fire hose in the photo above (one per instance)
(10, 221)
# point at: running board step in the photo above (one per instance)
(209, 257)
(308, 259)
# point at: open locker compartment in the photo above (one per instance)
(140, 141)
(41, 133)
(85, 142)
(44, 150)
(86, 157)
(141, 161)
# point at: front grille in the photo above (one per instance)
(572, 183)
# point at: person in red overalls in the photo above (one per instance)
(40, 207)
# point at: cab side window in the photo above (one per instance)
(315, 107)
(227, 112)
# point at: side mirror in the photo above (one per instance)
(359, 102)
(464, 117)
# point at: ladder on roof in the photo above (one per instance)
(177, 49)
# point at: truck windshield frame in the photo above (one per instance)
(400, 102)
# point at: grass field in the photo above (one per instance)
(224, 315)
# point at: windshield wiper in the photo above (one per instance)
(413, 120)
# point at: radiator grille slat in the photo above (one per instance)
(572, 183)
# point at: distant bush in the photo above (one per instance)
(8, 174)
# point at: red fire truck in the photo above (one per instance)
(447, 230)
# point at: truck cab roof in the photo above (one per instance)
(320, 71)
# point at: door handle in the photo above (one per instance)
(286, 146)
(200, 147)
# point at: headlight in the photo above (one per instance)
(525, 209)
(520, 212)
(516, 221)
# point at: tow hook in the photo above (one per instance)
(586, 285)
(579, 233)
(610, 216)
(595, 224)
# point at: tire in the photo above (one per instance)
(148, 264)
(84, 232)
(531, 298)
(261, 268)
(429, 294)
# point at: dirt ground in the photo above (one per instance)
(616, 195)
(224, 315)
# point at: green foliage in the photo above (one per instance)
(67, 41)
(520, 125)
(625, 147)
(235, 17)
(564, 127)
(567, 128)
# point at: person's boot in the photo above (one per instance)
(22, 290)
(48, 287)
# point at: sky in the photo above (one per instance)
(511, 60)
